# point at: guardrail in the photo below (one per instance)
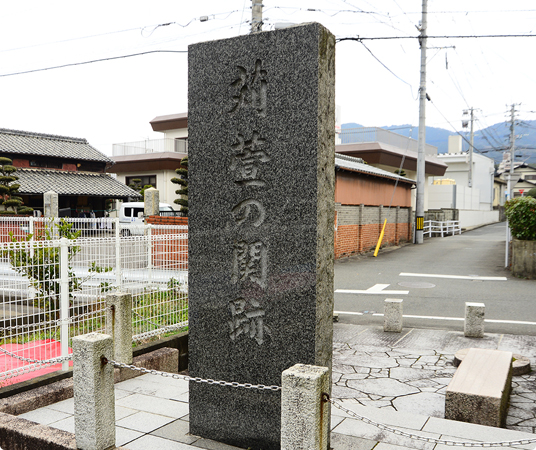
(434, 227)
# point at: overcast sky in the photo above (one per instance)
(113, 101)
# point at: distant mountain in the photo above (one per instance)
(491, 141)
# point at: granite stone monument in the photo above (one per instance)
(261, 141)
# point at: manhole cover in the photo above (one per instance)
(416, 284)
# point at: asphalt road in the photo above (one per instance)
(438, 301)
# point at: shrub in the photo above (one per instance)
(531, 193)
(521, 215)
(183, 181)
(9, 190)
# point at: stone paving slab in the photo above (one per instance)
(411, 376)
(474, 433)
(395, 385)
(345, 442)
(352, 427)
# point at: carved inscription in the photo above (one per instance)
(251, 89)
(250, 263)
(248, 159)
(247, 318)
(249, 210)
(248, 163)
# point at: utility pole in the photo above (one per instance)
(256, 16)
(510, 177)
(512, 144)
(471, 143)
(419, 212)
(471, 147)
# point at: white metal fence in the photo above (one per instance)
(54, 289)
(432, 227)
(151, 146)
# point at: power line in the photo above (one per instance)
(376, 58)
(455, 130)
(154, 27)
(378, 38)
(472, 12)
(92, 61)
(327, 12)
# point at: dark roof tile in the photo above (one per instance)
(36, 181)
(27, 143)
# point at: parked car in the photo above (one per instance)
(131, 219)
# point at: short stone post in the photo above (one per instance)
(94, 400)
(152, 202)
(119, 325)
(474, 320)
(50, 201)
(304, 414)
(392, 317)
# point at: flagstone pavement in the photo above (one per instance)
(398, 379)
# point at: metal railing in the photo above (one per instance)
(434, 227)
(374, 134)
(53, 290)
(151, 146)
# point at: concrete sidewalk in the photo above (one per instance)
(397, 379)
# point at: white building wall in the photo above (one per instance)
(163, 184)
(454, 196)
(472, 219)
(458, 170)
(176, 134)
(442, 196)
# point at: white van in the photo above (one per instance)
(131, 216)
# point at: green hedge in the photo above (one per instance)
(521, 215)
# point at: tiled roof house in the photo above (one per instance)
(69, 166)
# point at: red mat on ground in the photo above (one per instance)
(41, 350)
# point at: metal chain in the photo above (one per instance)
(194, 379)
(57, 360)
(24, 370)
(427, 439)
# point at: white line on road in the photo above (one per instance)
(459, 277)
(376, 289)
(515, 322)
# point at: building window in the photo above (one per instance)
(181, 145)
(141, 181)
(530, 177)
(45, 163)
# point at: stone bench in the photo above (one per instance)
(480, 389)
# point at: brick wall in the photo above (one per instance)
(170, 253)
(167, 220)
(358, 228)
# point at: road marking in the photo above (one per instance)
(376, 289)
(513, 322)
(459, 277)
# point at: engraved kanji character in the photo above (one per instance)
(247, 319)
(251, 89)
(249, 209)
(248, 159)
(250, 263)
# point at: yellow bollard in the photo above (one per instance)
(380, 239)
